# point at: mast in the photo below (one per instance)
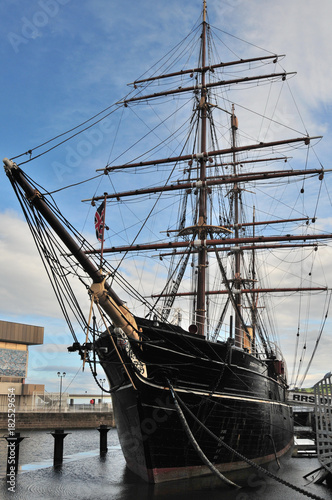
(103, 232)
(202, 253)
(236, 208)
(253, 277)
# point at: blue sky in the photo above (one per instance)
(64, 61)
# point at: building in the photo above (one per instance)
(14, 341)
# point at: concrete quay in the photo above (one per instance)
(52, 420)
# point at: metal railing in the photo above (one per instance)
(323, 412)
(96, 408)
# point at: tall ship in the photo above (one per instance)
(179, 299)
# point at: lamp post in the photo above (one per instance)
(61, 375)
(102, 381)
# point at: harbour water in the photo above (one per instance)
(85, 475)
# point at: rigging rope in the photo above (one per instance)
(65, 133)
(195, 444)
(318, 340)
(115, 105)
(239, 455)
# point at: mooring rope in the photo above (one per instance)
(178, 400)
(196, 445)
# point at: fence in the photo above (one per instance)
(98, 407)
(323, 411)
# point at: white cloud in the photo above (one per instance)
(25, 288)
(26, 291)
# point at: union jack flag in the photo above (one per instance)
(99, 221)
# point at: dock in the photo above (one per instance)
(37, 420)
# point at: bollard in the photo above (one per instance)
(59, 435)
(13, 454)
(103, 429)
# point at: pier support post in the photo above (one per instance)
(59, 436)
(103, 430)
(13, 454)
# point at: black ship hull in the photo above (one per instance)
(237, 396)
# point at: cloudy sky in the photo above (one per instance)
(64, 61)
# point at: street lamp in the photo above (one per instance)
(102, 381)
(61, 375)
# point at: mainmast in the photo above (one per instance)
(202, 253)
(236, 209)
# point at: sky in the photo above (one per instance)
(64, 61)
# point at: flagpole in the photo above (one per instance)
(102, 234)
